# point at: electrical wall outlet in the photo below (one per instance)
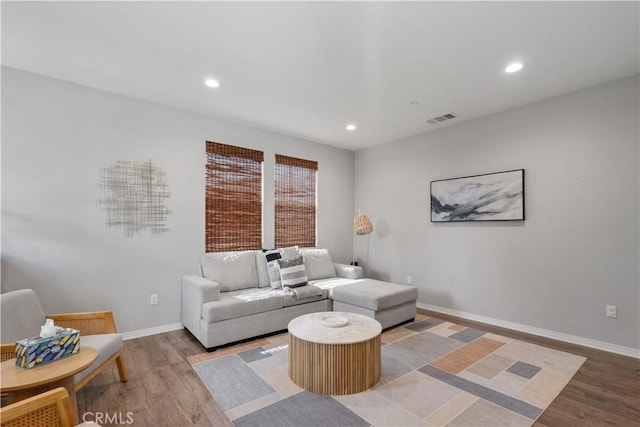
(409, 280)
(612, 311)
(154, 299)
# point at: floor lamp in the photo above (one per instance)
(361, 226)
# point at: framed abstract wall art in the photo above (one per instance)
(495, 196)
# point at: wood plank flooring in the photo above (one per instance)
(163, 390)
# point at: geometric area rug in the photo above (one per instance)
(434, 373)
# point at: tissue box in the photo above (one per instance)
(36, 351)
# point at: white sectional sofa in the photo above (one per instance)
(232, 298)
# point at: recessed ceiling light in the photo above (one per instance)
(211, 83)
(351, 127)
(512, 68)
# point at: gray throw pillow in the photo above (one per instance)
(292, 272)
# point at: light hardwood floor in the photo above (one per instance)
(163, 390)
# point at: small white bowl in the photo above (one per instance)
(334, 321)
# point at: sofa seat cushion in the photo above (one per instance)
(290, 299)
(106, 345)
(231, 270)
(374, 294)
(331, 284)
(242, 303)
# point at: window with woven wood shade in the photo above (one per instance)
(295, 202)
(233, 198)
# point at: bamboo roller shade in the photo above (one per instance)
(295, 202)
(233, 198)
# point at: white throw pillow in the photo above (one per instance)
(318, 263)
(232, 270)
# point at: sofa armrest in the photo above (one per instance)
(196, 291)
(348, 271)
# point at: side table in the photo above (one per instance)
(20, 383)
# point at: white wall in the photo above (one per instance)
(56, 137)
(577, 249)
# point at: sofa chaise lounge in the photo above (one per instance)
(232, 298)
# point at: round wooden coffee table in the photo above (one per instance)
(22, 383)
(327, 358)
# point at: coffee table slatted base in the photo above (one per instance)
(334, 368)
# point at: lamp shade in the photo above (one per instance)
(362, 224)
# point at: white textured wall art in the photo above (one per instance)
(134, 197)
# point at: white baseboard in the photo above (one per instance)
(560, 336)
(152, 331)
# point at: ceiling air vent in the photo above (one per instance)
(442, 118)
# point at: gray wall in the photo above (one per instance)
(56, 137)
(577, 249)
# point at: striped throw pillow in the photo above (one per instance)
(272, 256)
(292, 272)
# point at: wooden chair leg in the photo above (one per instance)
(122, 370)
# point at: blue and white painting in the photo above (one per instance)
(490, 197)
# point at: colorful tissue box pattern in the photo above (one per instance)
(36, 351)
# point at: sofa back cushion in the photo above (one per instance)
(318, 263)
(231, 270)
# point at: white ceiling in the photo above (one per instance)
(308, 69)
